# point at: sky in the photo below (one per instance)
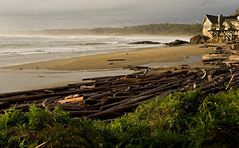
(54, 14)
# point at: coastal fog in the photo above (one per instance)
(46, 14)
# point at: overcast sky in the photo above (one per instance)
(43, 14)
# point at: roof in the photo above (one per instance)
(214, 19)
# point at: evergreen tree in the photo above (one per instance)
(237, 11)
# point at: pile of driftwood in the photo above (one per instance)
(224, 55)
(111, 97)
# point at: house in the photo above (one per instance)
(221, 28)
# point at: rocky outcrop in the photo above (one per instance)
(176, 43)
(145, 42)
(199, 39)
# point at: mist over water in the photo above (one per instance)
(54, 14)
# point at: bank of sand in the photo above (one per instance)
(132, 57)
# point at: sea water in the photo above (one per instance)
(20, 49)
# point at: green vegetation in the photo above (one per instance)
(183, 119)
(152, 29)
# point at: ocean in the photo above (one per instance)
(21, 49)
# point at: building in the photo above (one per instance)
(221, 28)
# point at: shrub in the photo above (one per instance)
(181, 119)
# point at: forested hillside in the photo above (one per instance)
(152, 29)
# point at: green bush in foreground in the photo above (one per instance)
(185, 119)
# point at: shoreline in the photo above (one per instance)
(70, 46)
(120, 59)
(58, 56)
(62, 72)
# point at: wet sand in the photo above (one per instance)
(20, 80)
(157, 56)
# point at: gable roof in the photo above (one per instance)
(214, 19)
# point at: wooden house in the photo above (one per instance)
(221, 28)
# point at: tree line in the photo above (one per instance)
(152, 29)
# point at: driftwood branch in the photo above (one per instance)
(111, 97)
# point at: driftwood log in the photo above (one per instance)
(223, 55)
(111, 97)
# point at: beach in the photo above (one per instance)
(65, 71)
(137, 73)
(158, 57)
(35, 62)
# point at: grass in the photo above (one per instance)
(182, 119)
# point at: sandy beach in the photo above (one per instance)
(72, 70)
(163, 56)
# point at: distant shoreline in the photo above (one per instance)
(165, 29)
